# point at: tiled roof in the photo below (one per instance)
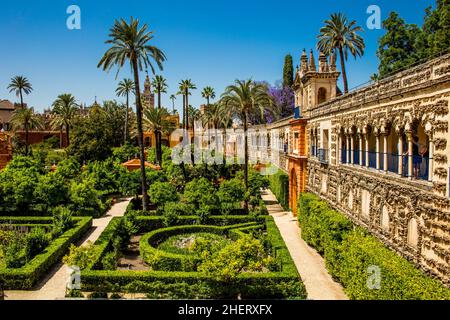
(6, 105)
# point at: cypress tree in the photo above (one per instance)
(288, 72)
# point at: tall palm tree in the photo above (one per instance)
(20, 85)
(160, 85)
(185, 87)
(208, 93)
(173, 98)
(130, 43)
(241, 99)
(64, 110)
(157, 120)
(124, 89)
(25, 119)
(341, 35)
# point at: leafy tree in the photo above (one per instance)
(82, 257)
(62, 220)
(231, 191)
(50, 191)
(342, 35)
(162, 192)
(125, 152)
(84, 198)
(64, 110)
(247, 254)
(20, 85)
(68, 168)
(124, 89)
(200, 192)
(129, 43)
(25, 119)
(397, 47)
(173, 98)
(288, 72)
(241, 99)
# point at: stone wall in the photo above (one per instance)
(410, 215)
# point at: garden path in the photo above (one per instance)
(53, 286)
(311, 266)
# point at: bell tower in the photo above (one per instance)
(148, 95)
(315, 86)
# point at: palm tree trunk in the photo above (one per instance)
(145, 199)
(21, 98)
(126, 121)
(159, 99)
(344, 73)
(67, 134)
(245, 157)
(187, 110)
(224, 145)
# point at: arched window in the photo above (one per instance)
(413, 236)
(321, 95)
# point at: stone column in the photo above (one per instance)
(430, 155)
(360, 149)
(366, 138)
(377, 151)
(348, 148)
(338, 149)
(385, 152)
(410, 155)
(400, 152)
(352, 144)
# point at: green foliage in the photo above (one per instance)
(349, 252)
(279, 184)
(162, 192)
(231, 194)
(85, 199)
(288, 72)
(200, 192)
(35, 242)
(105, 175)
(26, 276)
(256, 183)
(246, 254)
(405, 44)
(62, 220)
(50, 191)
(68, 168)
(125, 152)
(110, 261)
(80, 257)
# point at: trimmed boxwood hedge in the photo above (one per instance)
(167, 261)
(285, 284)
(350, 251)
(26, 277)
(279, 184)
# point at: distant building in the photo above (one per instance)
(6, 110)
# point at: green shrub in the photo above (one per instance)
(279, 184)
(85, 199)
(200, 192)
(162, 192)
(81, 257)
(350, 252)
(110, 261)
(62, 220)
(35, 242)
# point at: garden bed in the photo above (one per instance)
(284, 283)
(25, 277)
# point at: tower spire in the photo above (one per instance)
(312, 62)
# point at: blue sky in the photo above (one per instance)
(211, 42)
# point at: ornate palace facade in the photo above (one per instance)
(381, 156)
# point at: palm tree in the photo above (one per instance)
(64, 109)
(25, 119)
(341, 35)
(241, 99)
(20, 85)
(157, 120)
(173, 98)
(129, 42)
(124, 89)
(160, 85)
(185, 87)
(208, 93)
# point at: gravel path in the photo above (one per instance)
(311, 266)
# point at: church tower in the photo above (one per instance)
(315, 86)
(148, 95)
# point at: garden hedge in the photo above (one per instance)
(285, 284)
(279, 184)
(26, 277)
(350, 252)
(167, 261)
